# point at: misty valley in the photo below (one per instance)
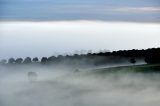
(118, 78)
(79, 52)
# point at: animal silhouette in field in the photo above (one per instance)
(32, 76)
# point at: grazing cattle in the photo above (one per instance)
(32, 76)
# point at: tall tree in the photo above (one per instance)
(27, 60)
(11, 61)
(51, 59)
(19, 60)
(35, 59)
(44, 60)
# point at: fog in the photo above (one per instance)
(86, 87)
(22, 39)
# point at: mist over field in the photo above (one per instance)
(79, 53)
(85, 87)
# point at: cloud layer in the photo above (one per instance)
(40, 10)
(139, 10)
(21, 39)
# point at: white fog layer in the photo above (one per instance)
(63, 87)
(21, 39)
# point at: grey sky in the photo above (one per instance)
(48, 27)
(108, 10)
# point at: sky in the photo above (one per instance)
(50, 27)
(108, 10)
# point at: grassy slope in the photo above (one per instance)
(147, 68)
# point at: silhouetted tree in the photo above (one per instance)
(19, 60)
(151, 55)
(147, 60)
(44, 60)
(153, 59)
(35, 59)
(133, 60)
(4, 61)
(27, 60)
(51, 59)
(11, 61)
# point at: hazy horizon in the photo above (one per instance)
(22, 39)
(46, 27)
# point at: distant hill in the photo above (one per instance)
(150, 56)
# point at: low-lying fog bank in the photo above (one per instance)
(69, 87)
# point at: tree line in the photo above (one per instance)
(151, 56)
